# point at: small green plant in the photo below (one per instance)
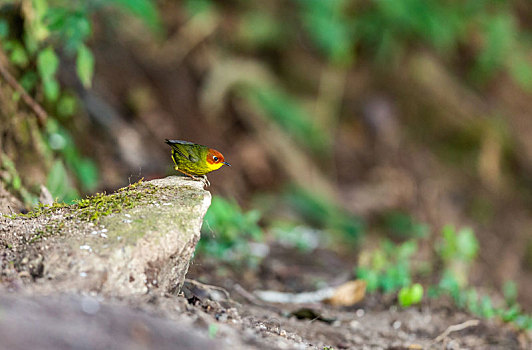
(387, 268)
(457, 250)
(213, 330)
(228, 232)
(410, 295)
(481, 305)
(404, 226)
(458, 245)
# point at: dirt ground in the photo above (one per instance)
(218, 310)
(374, 323)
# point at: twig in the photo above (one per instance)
(295, 298)
(247, 295)
(456, 328)
(208, 286)
(37, 109)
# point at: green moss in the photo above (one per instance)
(40, 210)
(52, 228)
(95, 207)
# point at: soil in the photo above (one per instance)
(374, 323)
(218, 310)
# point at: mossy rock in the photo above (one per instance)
(138, 239)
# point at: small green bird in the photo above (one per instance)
(192, 159)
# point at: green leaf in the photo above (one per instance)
(330, 28)
(511, 313)
(4, 29)
(29, 80)
(66, 106)
(57, 181)
(410, 295)
(486, 307)
(47, 63)
(194, 7)
(87, 174)
(370, 276)
(16, 96)
(467, 244)
(85, 66)
(17, 183)
(509, 290)
(143, 9)
(499, 39)
(520, 69)
(51, 89)
(18, 55)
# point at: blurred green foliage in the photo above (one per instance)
(410, 295)
(84, 169)
(296, 235)
(387, 268)
(329, 25)
(52, 26)
(227, 233)
(462, 246)
(388, 30)
(317, 210)
(59, 185)
(458, 245)
(289, 114)
(38, 36)
(481, 305)
(402, 225)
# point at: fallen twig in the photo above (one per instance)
(208, 287)
(36, 107)
(247, 295)
(456, 328)
(295, 298)
(346, 294)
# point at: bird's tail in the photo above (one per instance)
(178, 142)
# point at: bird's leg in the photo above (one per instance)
(206, 181)
(184, 172)
(202, 178)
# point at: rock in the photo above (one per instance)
(136, 240)
(8, 203)
(45, 197)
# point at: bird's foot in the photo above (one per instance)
(203, 178)
(206, 181)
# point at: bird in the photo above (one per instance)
(195, 160)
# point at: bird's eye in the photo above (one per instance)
(215, 159)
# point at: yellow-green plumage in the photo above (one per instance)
(194, 159)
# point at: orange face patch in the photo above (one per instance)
(214, 157)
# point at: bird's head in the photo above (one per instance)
(215, 159)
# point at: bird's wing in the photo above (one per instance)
(182, 147)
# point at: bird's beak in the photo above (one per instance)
(226, 163)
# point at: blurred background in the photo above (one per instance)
(364, 127)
